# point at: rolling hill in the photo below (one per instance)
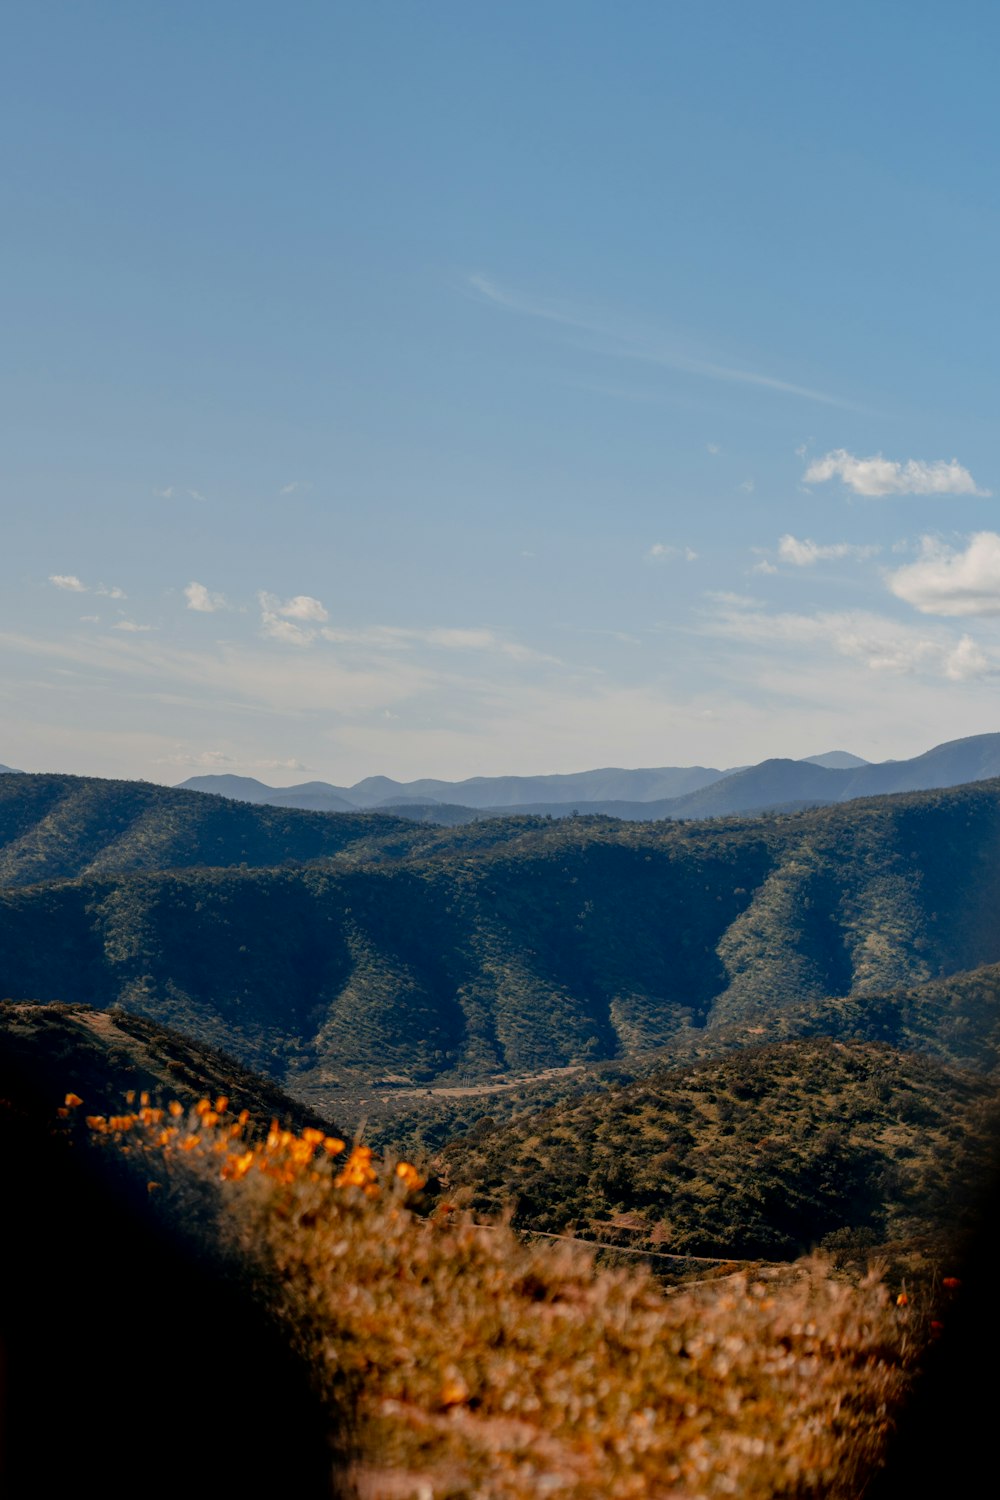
(500, 947)
(57, 827)
(765, 1152)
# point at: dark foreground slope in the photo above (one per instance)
(520, 945)
(47, 1051)
(131, 1354)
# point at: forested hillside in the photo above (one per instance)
(436, 954)
(764, 1152)
(57, 827)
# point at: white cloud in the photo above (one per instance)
(968, 660)
(303, 607)
(196, 758)
(278, 617)
(75, 586)
(130, 625)
(948, 582)
(171, 490)
(300, 607)
(883, 476)
(663, 552)
(713, 448)
(201, 599)
(804, 553)
(216, 758)
(747, 486)
(277, 629)
(763, 567)
(879, 643)
(90, 619)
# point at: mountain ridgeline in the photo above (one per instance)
(388, 949)
(665, 792)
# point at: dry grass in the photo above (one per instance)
(466, 1363)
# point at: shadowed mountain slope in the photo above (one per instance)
(57, 827)
(516, 946)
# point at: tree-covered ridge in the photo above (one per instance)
(59, 827)
(764, 1152)
(434, 954)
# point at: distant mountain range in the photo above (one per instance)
(640, 795)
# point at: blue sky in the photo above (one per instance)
(454, 390)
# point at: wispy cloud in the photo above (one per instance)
(216, 759)
(444, 638)
(878, 476)
(803, 553)
(612, 337)
(203, 600)
(950, 581)
(75, 585)
(132, 627)
(211, 759)
(663, 552)
(876, 642)
(171, 491)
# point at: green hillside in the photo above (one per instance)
(58, 827)
(765, 1152)
(519, 945)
